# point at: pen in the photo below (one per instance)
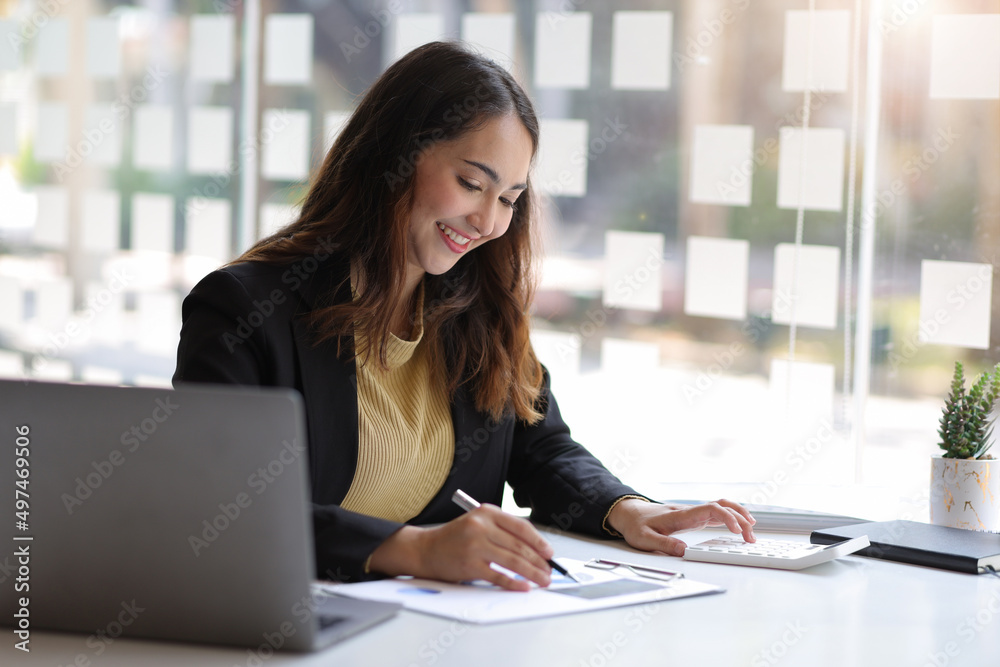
(468, 503)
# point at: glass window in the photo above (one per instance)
(769, 231)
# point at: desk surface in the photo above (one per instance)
(853, 611)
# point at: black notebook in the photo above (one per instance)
(920, 544)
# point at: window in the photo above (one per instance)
(770, 228)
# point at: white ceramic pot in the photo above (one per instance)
(965, 493)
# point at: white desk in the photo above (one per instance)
(851, 612)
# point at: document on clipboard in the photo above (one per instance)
(481, 602)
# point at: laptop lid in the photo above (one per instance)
(172, 514)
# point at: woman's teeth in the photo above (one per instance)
(453, 235)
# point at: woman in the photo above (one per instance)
(397, 305)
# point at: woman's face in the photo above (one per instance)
(465, 191)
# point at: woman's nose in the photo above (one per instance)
(483, 219)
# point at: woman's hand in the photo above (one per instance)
(463, 549)
(647, 526)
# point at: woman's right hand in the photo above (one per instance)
(463, 548)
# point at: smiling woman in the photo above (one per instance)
(428, 145)
(408, 339)
(461, 203)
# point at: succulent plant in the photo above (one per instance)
(967, 423)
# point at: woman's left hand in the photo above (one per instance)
(648, 526)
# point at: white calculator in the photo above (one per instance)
(781, 554)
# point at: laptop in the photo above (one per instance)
(166, 514)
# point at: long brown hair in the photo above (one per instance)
(476, 314)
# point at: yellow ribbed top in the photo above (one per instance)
(406, 440)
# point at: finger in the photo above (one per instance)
(734, 521)
(525, 547)
(505, 548)
(515, 563)
(737, 507)
(503, 581)
(710, 515)
(524, 532)
(470, 538)
(651, 540)
(532, 568)
(515, 555)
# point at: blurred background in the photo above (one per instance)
(770, 228)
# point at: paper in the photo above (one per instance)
(52, 52)
(103, 314)
(333, 124)
(490, 34)
(640, 50)
(52, 132)
(153, 137)
(102, 132)
(722, 164)
(633, 262)
(53, 303)
(195, 267)
(207, 229)
(715, 283)
(562, 50)
(101, 218)
(285, 156)
(275, 216)
(11, 304)
(152, 222)
(210, 57)
(210, 140)
(104, 57)
(52, 223)
(810, 283)
(8, 129)
(480, 602)
(560, 352)
(628, 356)
(955, 303)
(561, 168)
(830, 37)
(146, 269)
(288, 49)
(413, 30)
(818, 180)
(158, 314)
(10, 58)
(20, 207)
(965, 56)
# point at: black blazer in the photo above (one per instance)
(244, 325)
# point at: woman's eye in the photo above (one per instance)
(472, 187)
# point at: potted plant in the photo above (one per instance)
(965, 480)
